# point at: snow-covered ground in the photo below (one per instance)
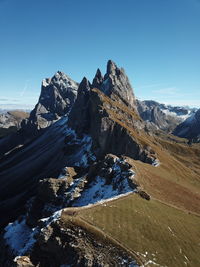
(171, 111)
(20, 237)
(101, 189)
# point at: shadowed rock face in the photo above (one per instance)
(79, 117)
(98, 80)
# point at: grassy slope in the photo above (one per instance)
(164, 228)
(168, 237)
(177, 180)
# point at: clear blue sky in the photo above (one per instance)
(156, 41)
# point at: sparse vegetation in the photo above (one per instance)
(156, 232)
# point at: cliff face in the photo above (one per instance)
(115, 84)
(57, 97)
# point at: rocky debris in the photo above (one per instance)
(22, 261)
(190, 128)
(110, 177)
(68, 243)
(108, 166)
(143, 194)
(52, 195)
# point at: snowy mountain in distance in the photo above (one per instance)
(161, 116)
(190, 128)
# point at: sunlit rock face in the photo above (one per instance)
(57, 97)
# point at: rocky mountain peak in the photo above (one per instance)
(84, 86)
(117, 86)
(57, 97)
(79, 115)
(98, 79)
(111, 67)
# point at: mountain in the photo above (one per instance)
(57, 97)
(85, 182)
(10, 121)
(58, 94)
(190, 128)
(161, 116)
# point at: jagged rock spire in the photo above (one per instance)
(111, 67)
(79, 116)
(84, 86)
(115, 84)
(57, 97)
(98, 79)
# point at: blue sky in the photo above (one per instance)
(156, 41)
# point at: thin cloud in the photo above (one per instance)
(8, 100)
(172, 91)
(24, 89)
(153, 85)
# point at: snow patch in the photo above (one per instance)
(48, 220)
(99, 190)
(82, 149)
(156, 163)
(19, 237)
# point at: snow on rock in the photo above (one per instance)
(156, 163)
(101, 189)
(19, 237)
(48, 220)
(82, 149)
